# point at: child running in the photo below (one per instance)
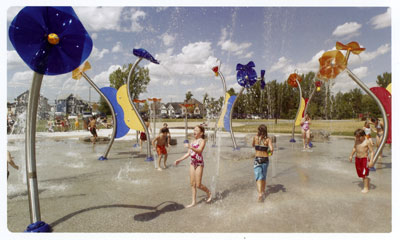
(361, 148)
(264, 148)
(195, 150)
(162, 142)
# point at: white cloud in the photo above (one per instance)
(232, 47)
(99, 18)
(14, 60)
(117, 48)
(21, 79)
(347, 30)
(282, 62)
(344, 83)
(94, 36)
(168, 39)
(133, 16)
(368, 56)
(382, 20)
(103, 79)
(97, 55)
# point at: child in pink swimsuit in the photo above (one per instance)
(195, 150)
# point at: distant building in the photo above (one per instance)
(70, 104)
(22, 103)
(175, 109)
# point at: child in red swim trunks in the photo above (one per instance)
(361, 147)
(162, 141)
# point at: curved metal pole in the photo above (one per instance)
(30, 147)
(186, 127)
(216, 121)
(114, 132)
(230, 122)
(309, 99)
(149, 157)
(385, 120)
(298, 110)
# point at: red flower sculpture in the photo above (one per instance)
(292, 80)
(331, 64)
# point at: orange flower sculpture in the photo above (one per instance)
(292, 80)
(352, 47)
(331, 64)
(139, 101)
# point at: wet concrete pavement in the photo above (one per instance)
(307, 191)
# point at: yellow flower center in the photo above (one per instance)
(53, 39)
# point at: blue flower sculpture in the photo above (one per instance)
(246, 75)
(50, 40)
(262, 84)
(140, 52)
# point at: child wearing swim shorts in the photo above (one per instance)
(361, 147)
(159, 144)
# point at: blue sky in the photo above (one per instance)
(189, 41)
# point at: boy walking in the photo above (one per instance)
(361, 147)
(162, 141)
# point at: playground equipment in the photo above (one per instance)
(140, 53)
(186, 106)
(228, 100)
(138, 101)
(154, 100)
(51, 41)
(332, 63)
(294, 80)
(120, 129)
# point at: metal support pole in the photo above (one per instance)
(114, 132)
(216, 122)
(230, 122)
(30, 144)
(149, 157)
(385, 120)
(186, 127)
(309, 100)
(298, 110)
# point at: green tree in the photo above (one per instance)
(384, 80)
(188, 96)
(138, 83)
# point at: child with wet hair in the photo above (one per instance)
(162, 141)
(263, 147)
(361, 147)
(195, 152)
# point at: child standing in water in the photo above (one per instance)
(263, 146)
(162, 142)
(379, 133)
(361, 147)
(305, 130)
(367, 130)
(195, 150)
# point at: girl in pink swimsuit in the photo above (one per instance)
(195, 150)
